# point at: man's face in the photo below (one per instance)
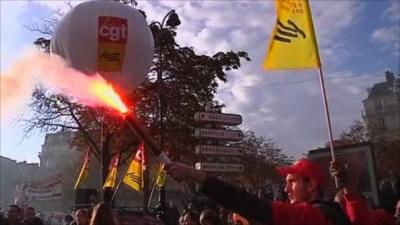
(29, 214)
(187, 220)
(81, 217)
(297, 188)
(397, 212)
(12, 213)
(204, 221)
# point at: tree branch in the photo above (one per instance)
(96, 151)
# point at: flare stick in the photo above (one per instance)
(135, 125)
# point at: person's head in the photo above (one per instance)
(13, 213)
(304, 181)
(190, 218)
(239, 220)
(68, 219)
(29, 213)
(209, 217)
(397, 211)
(93, 199)
(102, 215)
(82, 217)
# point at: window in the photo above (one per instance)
(381, 124)
(379, 105)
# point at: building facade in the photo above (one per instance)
(382, 108)
(12, 174)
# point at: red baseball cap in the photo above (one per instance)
(305, 168)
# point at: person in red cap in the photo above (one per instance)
(304, 183)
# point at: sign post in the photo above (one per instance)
(217, 150)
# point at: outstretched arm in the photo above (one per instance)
(225, 194)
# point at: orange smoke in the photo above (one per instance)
(35, 67)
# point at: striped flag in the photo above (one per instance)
(293, 44)
(85, 169)
(134, 175)
(112, 172)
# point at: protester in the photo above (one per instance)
(30, 217)
(82, 217)
(209, 217)
(239, 220)
(354, 204)
(224, 215)
(103, 215)
(387, 196)
(68, 219)
(14, 215)
(397, 212)
(190, 217)
(3, 220)
(304, 182)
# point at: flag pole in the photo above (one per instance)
(155, 182)
(152, 192)
(121, 179)
(327, 116)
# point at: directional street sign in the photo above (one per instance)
(221, 159)
(228, 135)
(219, 167)
(218, 150)
(219, 118)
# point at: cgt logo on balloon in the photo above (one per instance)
(112, 38)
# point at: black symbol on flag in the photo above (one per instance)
(135, 178)
(286, 33)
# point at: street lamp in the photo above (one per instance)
(171, 20)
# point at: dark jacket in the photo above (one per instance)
(35, 221)
(264, 211)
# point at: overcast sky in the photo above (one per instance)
(358, 41)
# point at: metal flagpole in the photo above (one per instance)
(151, 193)
(327, 117)
(122, 178)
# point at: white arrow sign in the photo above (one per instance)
(219, 167)
(229, 135)
(218, 150)
(220, 118)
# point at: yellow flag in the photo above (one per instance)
(293, 44)
(112, 172)
(160, 176)
(134, 176)
(84, 171)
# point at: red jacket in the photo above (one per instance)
(297, 214)
(359, 213)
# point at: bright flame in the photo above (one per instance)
(34, 66)
(105, 92)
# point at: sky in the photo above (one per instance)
(358, 41)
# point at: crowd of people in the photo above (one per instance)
(230, 205)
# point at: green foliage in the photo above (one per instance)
(261, 158)
(180, 82)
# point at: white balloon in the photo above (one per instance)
(107, 37)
